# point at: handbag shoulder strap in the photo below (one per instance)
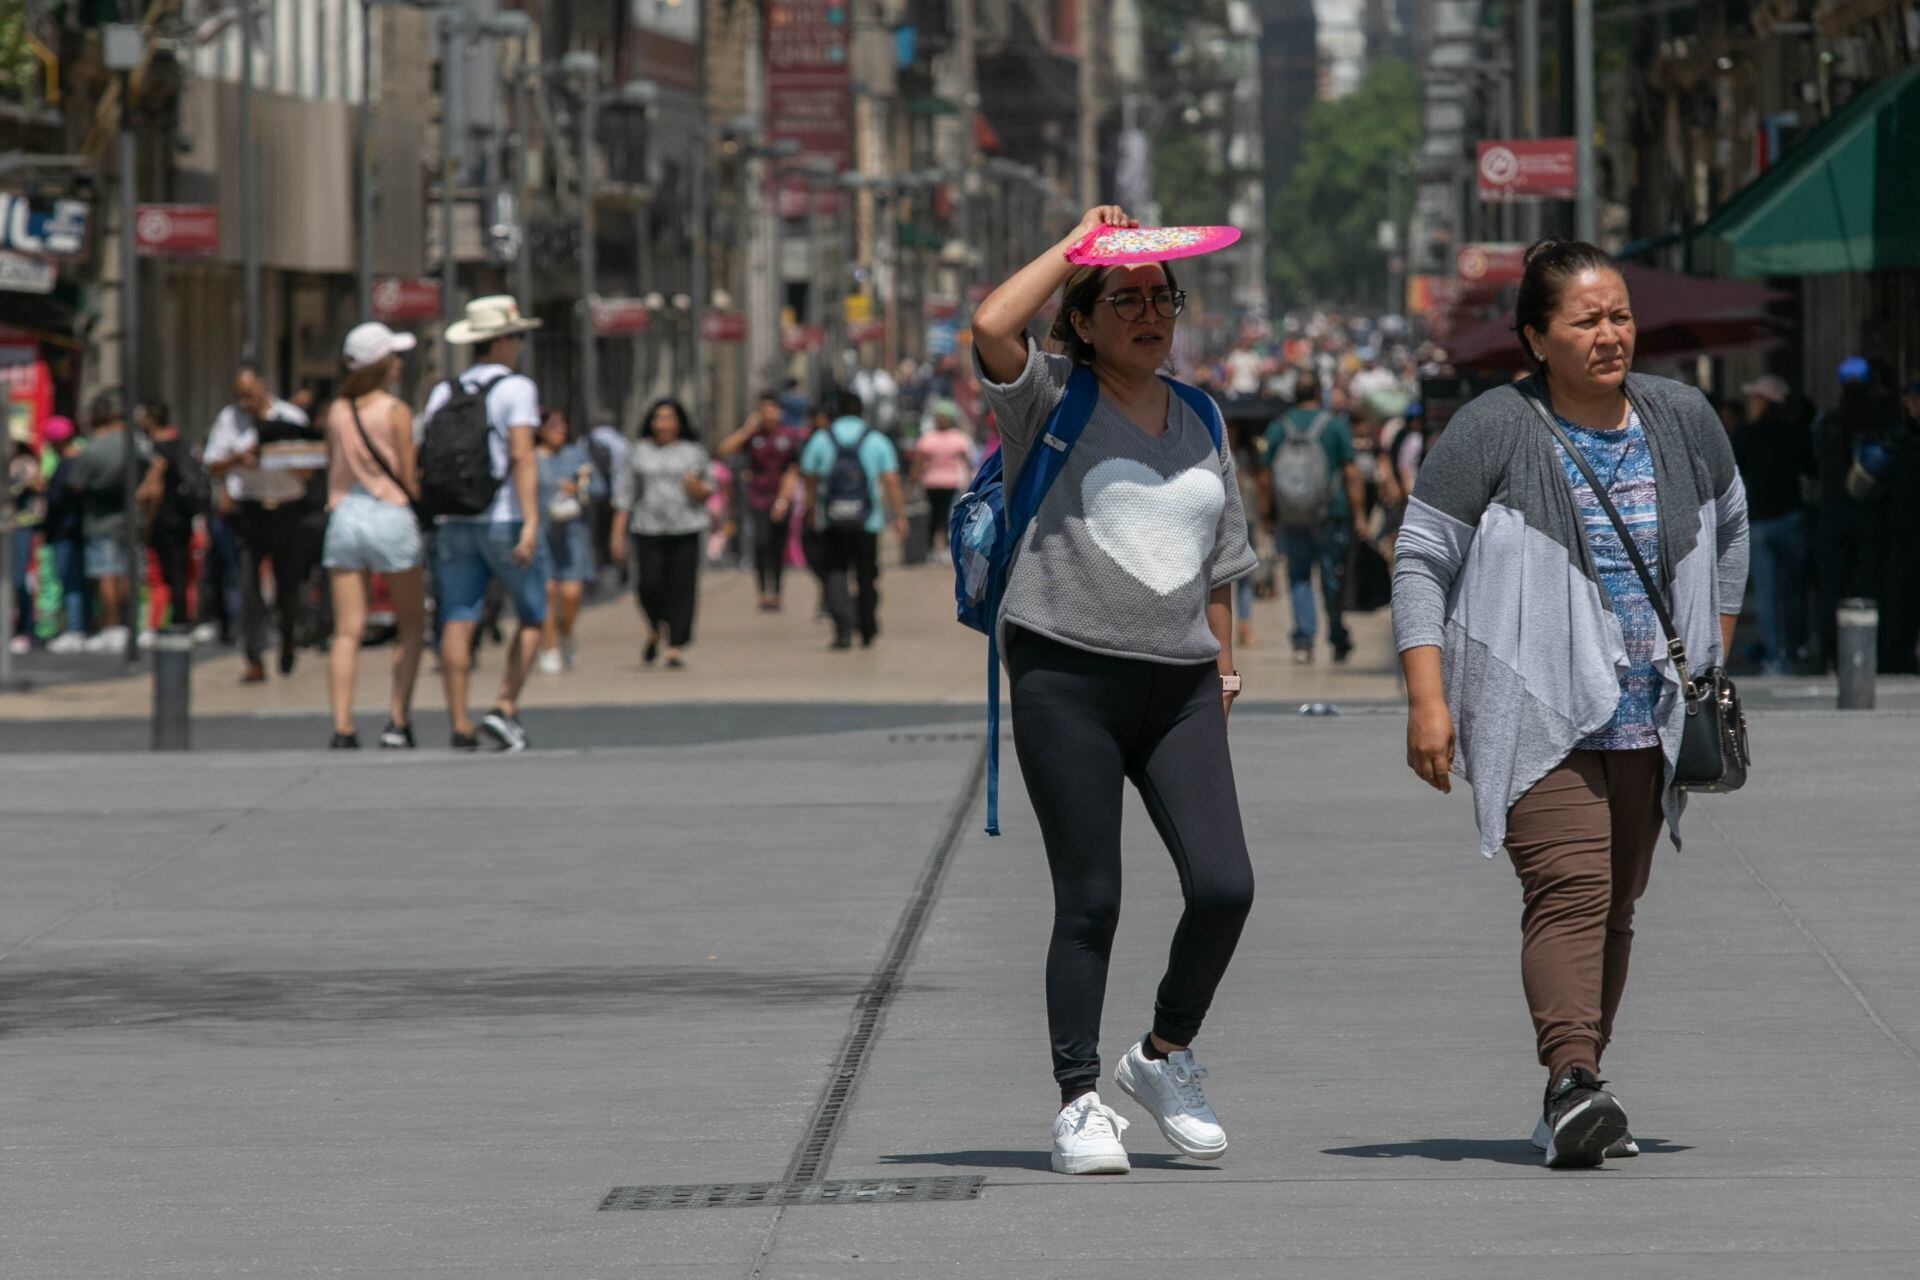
(378, 460)
(1676, 648)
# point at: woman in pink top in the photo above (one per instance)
(943, 462)
(371, 527)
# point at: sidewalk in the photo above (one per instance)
(277, 1015)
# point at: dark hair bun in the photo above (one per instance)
(1542, 247)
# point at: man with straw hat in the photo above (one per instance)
(503, 542)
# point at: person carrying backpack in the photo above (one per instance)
(480, 482)
(1116, 620)
(848, 468)
(1313, 489)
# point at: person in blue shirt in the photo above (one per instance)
(849, 525)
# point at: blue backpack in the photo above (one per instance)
(987, 526)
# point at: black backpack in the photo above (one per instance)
(846, 497)
(192, 491)
(456, 461)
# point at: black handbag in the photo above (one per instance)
(1713, 740)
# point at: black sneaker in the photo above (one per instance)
(1579, 1122)
(396, 737)
(1625, 1149)
(504, 730)
(464, 741)
(1342, 650)
(344, 742)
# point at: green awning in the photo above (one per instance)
(1847, 198)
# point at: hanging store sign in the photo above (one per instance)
(1527, 168)
(620, 317)
(43, 228)
(176, 230)
(723, 326)
(809, 92)
(398, 298)
(861, 332)
(21, 274)
(1490, 266)
(804, 339)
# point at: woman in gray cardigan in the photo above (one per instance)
(1530, 644)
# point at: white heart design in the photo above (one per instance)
(1160, 529)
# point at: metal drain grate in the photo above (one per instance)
(748, 1195)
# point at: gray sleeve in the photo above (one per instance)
(626, 484)
(1022, 407)
(1450, 496)
(1233, 554)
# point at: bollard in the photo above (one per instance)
(1858, 656)
(173, 689)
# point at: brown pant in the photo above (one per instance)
(1582, 842)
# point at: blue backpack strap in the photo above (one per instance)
(1204, 407)
(1042, 468)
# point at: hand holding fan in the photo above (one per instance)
(1132, 246)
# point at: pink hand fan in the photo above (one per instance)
(1131, 246)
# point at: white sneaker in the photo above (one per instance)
(206, 633)
(1086, 1138)
(20, 645)
(107, 640)
(549, 663)
(67, 642)
(1171, 1093)
(147, 638)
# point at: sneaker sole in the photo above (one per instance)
(1123, 1076)
(1091, 1164)
(1582, 1139)
(508, 744)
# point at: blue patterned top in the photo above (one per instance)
(1624, 465)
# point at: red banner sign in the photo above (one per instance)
(809, 92)
(939, 308)
(863, 331)
(723, 326)
(399, 298)
(1490, 266)
(804, 339)
(176, 230)
(618, 317)
(1520, 168)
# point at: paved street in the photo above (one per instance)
(278, 1012)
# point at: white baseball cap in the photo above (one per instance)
(372, 342)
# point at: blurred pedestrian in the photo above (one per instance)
(502, 543)
(851, 474)
(1119, 641)
(62, 531)
(99, 477)
(566, 485)
(772, 449)
(1313, 488)
(1525, 626)
(372, 485)
(607, 446)
(1850, 527)
(1775, 455)
(1900, 613)
(944, 459)
(27, 494)
(184, 497)
(269, 510)
(660, 500)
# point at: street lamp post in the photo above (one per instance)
(249, 201)
(122, 45)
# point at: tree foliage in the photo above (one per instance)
(1325, 218)
(18, 66)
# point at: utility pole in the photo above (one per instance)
(363, 154)
(523, 261)
(589, 257)
(1564, 123)
(1585, 221)
(122, 46)
(1527, 72)
(452, 129)
(249, 201)
(702, 246)
(1089, 18)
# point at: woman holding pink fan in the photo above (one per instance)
(1116, 624)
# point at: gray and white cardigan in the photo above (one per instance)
(1493, 567)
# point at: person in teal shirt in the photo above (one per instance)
(1324, 543)
(850, 557)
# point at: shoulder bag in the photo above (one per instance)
(1713, 741)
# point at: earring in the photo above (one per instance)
(1540, 357)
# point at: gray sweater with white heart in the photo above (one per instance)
(1135, 533)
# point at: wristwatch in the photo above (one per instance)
(1230, 684)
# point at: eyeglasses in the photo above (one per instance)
(1131, 304)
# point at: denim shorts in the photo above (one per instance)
(569, 550)
(364, 533)
(106, 558)
(468, 554)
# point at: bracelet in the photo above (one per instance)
(1230, 684)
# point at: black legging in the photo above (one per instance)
(769, 539)
(668, 568)
(1083, 724)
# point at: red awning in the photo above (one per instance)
(1674, 315)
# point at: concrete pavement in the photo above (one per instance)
(298, 1014)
